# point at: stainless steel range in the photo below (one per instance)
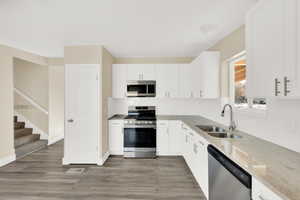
(140, 132)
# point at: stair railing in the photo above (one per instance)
(31, 101)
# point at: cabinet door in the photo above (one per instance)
(186, 82)
(162, 139)
(291, 77)
(119, 76)
(203, 169)
(264, 46)
(195, 78)
(175, 141)
(167, 80)
(116, 137)
(209, 75)
(148, 72)
(134, 72)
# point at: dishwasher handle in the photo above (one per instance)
(243, 176)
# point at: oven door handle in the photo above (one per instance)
(140, 126)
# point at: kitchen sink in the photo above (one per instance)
(218, 132)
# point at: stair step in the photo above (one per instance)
(26, 139)
(19, 125)
(30, 147)
(23, 132)
(15, 119)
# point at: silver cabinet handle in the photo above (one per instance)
(277, 83)
(70, 120)
(200, 93)
(286, 81)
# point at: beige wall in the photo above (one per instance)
(230, 46)
(107, 62)
(154, 60)
(56, 102)
(6, 105)
(86, 54)
(32, 79)
(6, 95)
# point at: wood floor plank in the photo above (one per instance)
(41, 176)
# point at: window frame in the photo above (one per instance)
(249, 109)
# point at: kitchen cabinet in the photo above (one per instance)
(162, 138)
(272, 66)
(175, 138)
(141, 72)
(167, 80)
(116, 138)
(200, 79)
(207, 67)
(200, 163)
(119, 80)
(186, 81)
(261, 192)
(169, 140)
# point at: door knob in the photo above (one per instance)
(70, 120)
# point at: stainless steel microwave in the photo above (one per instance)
(141, 88)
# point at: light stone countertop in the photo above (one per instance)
(276, 167)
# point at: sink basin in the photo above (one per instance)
(218, 132)
(214, 129)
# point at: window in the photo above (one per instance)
(238, 82)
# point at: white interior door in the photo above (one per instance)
(81, 114)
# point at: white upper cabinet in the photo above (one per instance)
(119, 76)
(167, 80)
(141, 72)
(200, 79)
(186, 81)
(206, 75)
(271, 46)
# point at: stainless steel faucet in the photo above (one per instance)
(232, 125)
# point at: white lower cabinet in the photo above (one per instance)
(200, 166)
(116, 137)
(162, 138)
(261, 192)
(169, 141)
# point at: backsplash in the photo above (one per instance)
(279, 124)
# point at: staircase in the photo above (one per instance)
(25, 141)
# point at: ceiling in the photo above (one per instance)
(127, 28)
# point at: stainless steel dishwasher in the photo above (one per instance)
(227, 180)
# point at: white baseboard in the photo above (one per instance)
(55, 139)
(7, 159)
(104, 158)
(28, 124)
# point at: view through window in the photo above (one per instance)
(240, 81)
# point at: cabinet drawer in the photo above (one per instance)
(261, 192)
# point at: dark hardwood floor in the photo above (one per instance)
(41, 176)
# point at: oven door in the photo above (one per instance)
(140, 141)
